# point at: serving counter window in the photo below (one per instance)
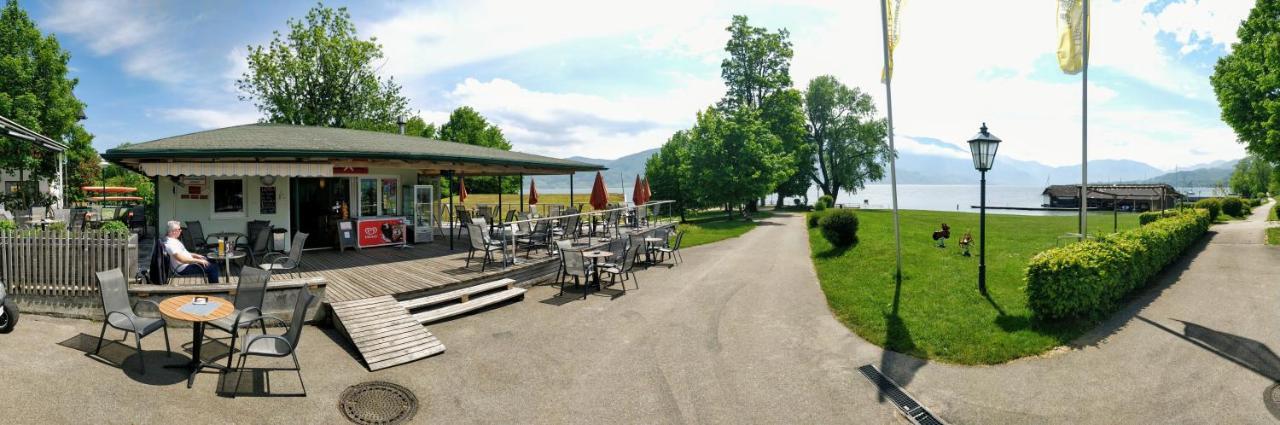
(379, 196)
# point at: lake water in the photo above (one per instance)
(948, 197)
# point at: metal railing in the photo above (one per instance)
(596, 224)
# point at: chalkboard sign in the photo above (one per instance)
(267, 199)
(347, 235)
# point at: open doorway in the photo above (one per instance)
(318, 205)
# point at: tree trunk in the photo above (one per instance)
(780, 204)
(751, 206)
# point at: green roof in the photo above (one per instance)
(291, 142)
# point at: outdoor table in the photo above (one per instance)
(226, 258)
(595, 257)
(648, 252)
(173, 308)
(45, 222)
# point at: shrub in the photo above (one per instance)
(840, 227)
(1275, 212)
(115, 228)
(1089, 279)
(58, 227)
(819, 206)
(1148, 217)
(813, 217)
(796, 202)
(826, 201)
(7, 225)
(1213, 205)
(1233, 206)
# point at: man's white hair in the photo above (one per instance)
(174, 225)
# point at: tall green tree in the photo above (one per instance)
(735, 157)
(36, 93)
(759, 64)
(845, 135)
(322, 74)
(783, 113)
(467, 126)
(669, 173)
(83, 163)
(1251, 176)
(1246, 82)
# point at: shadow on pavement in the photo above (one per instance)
(901, 368)
(127, 359)
(1247, 353)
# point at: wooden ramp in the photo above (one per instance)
(384, 332)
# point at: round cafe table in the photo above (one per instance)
(595, 257)
(648, 252)
(172, 308)
(226, 258)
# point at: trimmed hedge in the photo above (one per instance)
(1233, 206)
(1149, 217)
(1089, 279)
(827, 201)
(812, 218)
(115, 227)
(840, 227)
(1213, 205)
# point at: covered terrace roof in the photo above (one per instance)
(283, 143)
(13, 130)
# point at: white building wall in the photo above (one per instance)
(173, 207)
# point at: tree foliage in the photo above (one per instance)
(734, 157)
(669, 172)
(783, 113)
(759, 64)
(1251, 176)
(467, 126)
(321, 74)
(36, 93)
(845, 135)
(1247, 81)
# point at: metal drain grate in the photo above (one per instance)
(914, 411)
(381, 403)
(1271, 397)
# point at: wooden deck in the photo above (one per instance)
(373, 272)
(384, 332)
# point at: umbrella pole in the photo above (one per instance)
(571, 190)
(499, 217)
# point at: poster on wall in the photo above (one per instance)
(379, 232)
(267, 199)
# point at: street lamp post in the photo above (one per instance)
(983, 148)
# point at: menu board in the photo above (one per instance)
(267, 199)
(380, 231)
(347, 235)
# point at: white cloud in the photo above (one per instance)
(138, 32)
(1196, 23)
(205, 119)
(564, 124)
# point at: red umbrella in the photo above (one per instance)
(462, 189)
(599, 194)
(648, 193)
(637, 192)
(533, 192)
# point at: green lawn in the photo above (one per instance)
(1273, 236)
(939, 313)
(712, 226)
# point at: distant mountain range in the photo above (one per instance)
(952, 166)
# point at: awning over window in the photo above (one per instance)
(283, 169)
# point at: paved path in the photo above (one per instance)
(739, 334)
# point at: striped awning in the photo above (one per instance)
(283, 169)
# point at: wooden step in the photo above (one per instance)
(464, 294)
(475, 303)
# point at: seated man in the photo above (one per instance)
(182, 259)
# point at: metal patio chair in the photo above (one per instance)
(480, 243)
(250, 291)
(624, 267)
(575, 265)
(120, 315)
(286, 344)
(674, 250)
(291, 262)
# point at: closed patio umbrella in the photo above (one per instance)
(462, 189)
(599, 193)
(648, 193)
(637, 192)
(533, 192)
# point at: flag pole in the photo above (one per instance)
(893, 153)
(1084, 132)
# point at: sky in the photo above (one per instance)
(604, 79)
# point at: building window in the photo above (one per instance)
(390, 196)
(15, 186)
(228, 198)
(368, 197)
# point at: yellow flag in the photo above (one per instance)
(893, 25)
(1071, 35)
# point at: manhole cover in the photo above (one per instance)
(1271, 397)
(378, 403)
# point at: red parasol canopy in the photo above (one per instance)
(648, 193)
(462, 189)
(108, 189)
(637, 192)
(533, 192)
(599, 193)
(114, 199)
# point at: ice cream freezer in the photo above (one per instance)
(369, 232)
